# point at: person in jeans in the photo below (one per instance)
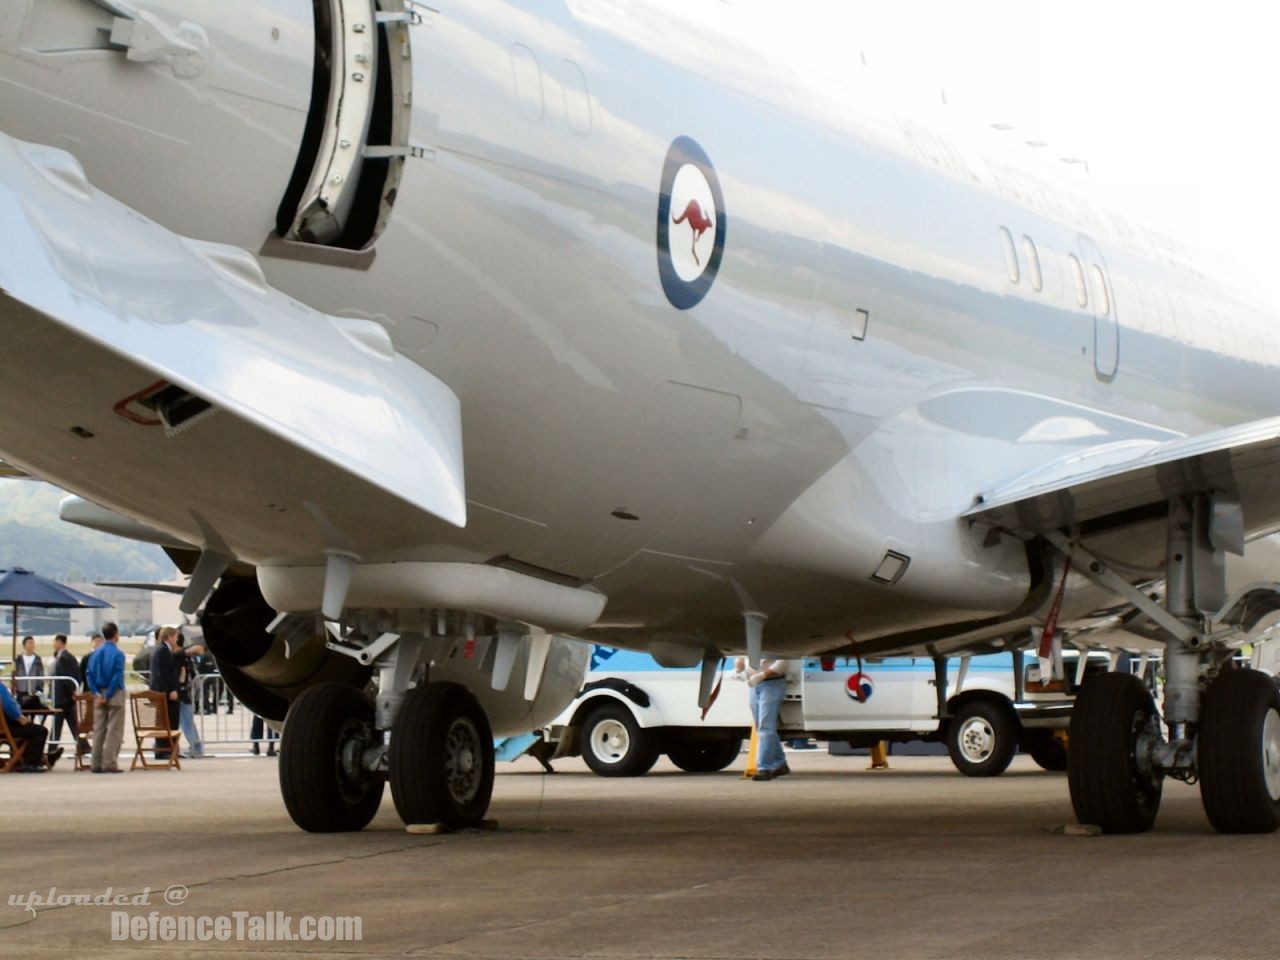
(105, 681)
(768, 687)
(186, 716)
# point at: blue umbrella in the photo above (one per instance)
(22, 588)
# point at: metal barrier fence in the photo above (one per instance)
(222, 721)
(223, 724)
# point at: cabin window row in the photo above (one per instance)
(1034, 271)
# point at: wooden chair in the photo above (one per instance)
(15, 747)
(150, 712)
(84, 729)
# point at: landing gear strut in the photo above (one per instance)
(1223, 724)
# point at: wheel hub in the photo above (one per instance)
(610, 741)
(977, 740)
(1271, 753)
(462, 769)
(353, 779)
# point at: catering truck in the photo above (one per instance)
(984, 708)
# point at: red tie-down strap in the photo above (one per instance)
(1051, 622)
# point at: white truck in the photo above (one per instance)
(631, 710)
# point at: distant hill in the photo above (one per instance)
(32, 536)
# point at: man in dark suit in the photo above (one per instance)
(84, 661)
(64, 690)
(165, 679)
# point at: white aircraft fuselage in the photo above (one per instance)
(778, 399)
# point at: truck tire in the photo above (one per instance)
(1046, 750)
(982, 738)
(703, 756)
(614, 745)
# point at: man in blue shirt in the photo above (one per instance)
(23, 730)
(105, 680)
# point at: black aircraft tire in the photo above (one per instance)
(321, 793)
(1108, 786)
(441, 757)
(707, 756)
(982, 738)
(1046, 750)
(614, 745)
(1239, 752)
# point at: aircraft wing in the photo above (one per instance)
(1113, 487)
(292, 432)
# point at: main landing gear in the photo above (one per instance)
(432, 742)
(1221, 724)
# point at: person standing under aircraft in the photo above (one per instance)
(186, 716)
(768, 687)
(106, 682)
(165, 679)
(29, 665)
(67, 673)
(256, 735)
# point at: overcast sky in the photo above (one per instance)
(1173, 101)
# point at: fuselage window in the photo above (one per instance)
(1010, 256)
(1104, 298)
(1033, 264)
(1077, 271)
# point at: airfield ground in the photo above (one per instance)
(834, 861)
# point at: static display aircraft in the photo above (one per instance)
(735, 363)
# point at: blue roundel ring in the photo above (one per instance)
(684, 294)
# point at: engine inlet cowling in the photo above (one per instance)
(267, 670)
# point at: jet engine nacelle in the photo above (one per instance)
(267, 670)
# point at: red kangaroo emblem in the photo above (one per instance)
(699, 222)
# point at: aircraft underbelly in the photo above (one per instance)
(164, 378)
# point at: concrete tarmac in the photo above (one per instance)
(833, 861)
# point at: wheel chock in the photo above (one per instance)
(435, 829)
(1077, 830)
